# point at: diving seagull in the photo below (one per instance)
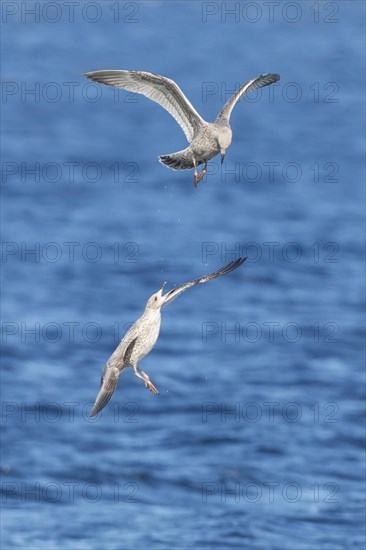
(142, 336)
(205, 139)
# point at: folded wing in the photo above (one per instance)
(112, 370)
(162, 90)
(109, 382)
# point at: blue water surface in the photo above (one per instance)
(256, 439)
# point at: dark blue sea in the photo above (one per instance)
(257, 437)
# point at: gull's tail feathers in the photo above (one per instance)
(181, 160)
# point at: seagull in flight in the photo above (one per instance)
(205, 139)
(142, 336)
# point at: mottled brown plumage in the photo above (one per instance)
(206, 139)
(142, 336)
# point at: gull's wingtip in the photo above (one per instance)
(93, 412)
(91, 74)
(99, 404)
(236, 263)
(239, 261)
(275, 77)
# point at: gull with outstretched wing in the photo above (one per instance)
(142, 336)
(205, 139)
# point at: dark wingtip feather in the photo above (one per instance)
(274, 77)
(100, 403)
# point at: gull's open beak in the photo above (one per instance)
(222, 158)
(162, 287)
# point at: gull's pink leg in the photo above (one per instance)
(146, 379)
(202, 173)
(195, 176)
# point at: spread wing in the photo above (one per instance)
(159, 89)
(173, 294)
(258, 82)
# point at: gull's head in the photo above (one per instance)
(156, 300)
(224, 140)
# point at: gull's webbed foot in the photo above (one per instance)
(146, 379)
(151, 387)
